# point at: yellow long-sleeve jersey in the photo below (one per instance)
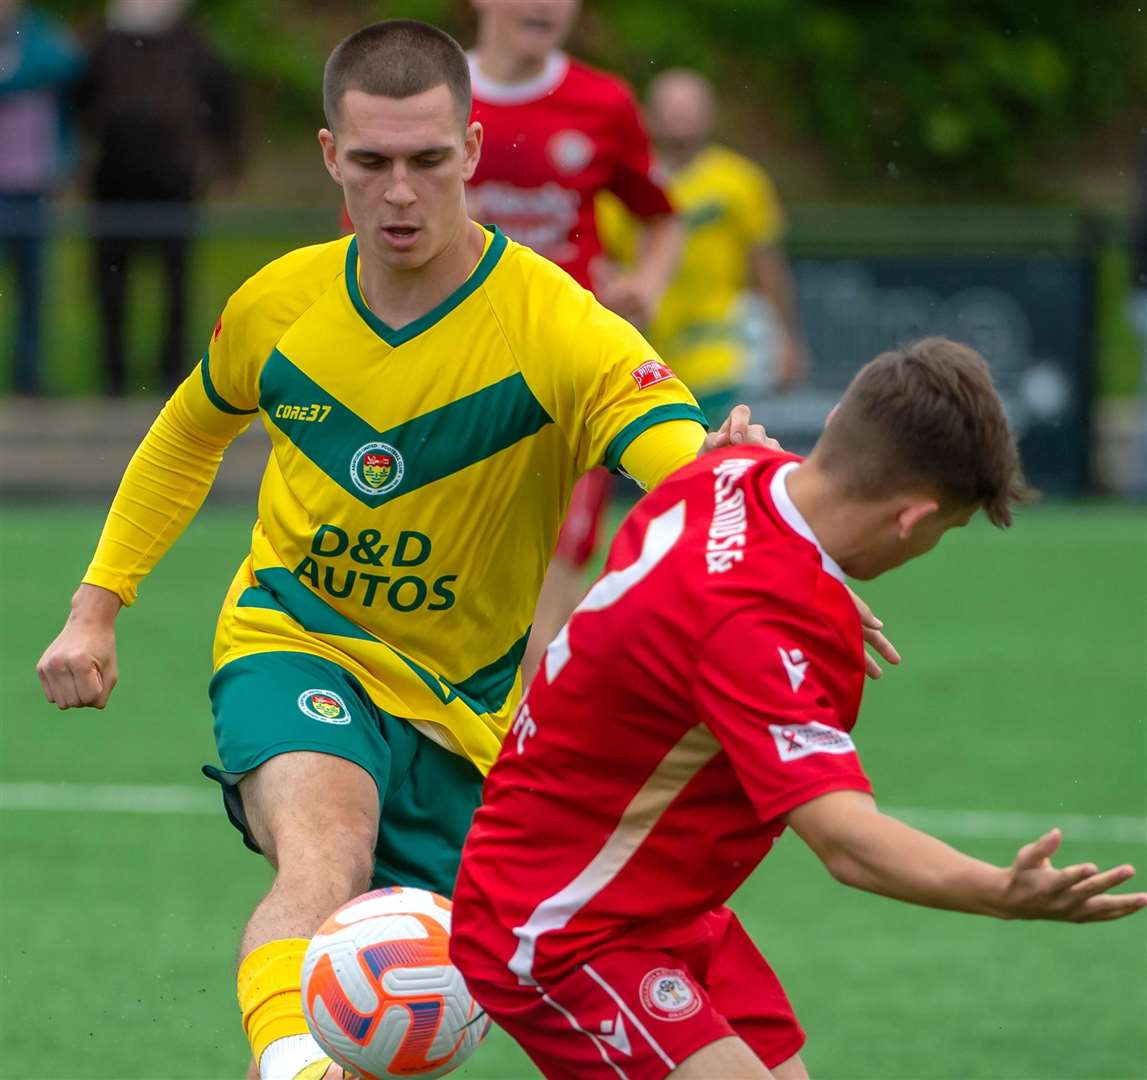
(418, 476)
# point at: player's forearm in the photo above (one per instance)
(868, 850)
(885, 856)
(661, 243)
(771, 278)
(164, 485)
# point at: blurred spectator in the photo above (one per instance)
(734, 224)
(37, 62)
(163, 111)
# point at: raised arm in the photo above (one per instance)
(869, 850)
(636, 292)
(164, 485)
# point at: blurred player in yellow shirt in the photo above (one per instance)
(734, 225)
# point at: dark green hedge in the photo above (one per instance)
(943, 97)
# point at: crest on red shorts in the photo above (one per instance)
(668, 994)
(651, 372)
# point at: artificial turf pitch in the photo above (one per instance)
(1024, 688)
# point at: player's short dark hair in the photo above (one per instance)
(397, 58)
(926, 415)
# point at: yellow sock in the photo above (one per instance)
(270, 995)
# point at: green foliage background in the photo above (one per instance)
(960, 100)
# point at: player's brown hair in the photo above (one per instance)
(926, 415)
(397, 58)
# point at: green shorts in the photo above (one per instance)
(718, 404)
(273, 703)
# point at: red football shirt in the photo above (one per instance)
(704, 688)
(550, 145)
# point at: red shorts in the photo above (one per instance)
(578, 539)
(639, 1012)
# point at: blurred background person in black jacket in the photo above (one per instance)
(162, 109)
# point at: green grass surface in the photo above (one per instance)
(1024, 688)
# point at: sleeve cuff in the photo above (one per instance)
(113, 582)
(778, 807)
(659, 414)
(213, 395)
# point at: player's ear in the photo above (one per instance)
(913, 513)
(471, 149)
(330, 159)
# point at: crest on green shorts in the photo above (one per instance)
(376, 468)
(325, 706)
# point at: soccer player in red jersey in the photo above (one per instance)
(700, 700)
(557, 132)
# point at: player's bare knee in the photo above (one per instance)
(343, 851)
(313, 813)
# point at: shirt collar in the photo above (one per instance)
(794, 519)
(496, 93)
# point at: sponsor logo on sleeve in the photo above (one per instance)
(325, 706)
(668, 994)
(218, 329)
(650, 373)
(796, 741)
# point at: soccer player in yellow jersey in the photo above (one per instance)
(431, 391)
(734, 225)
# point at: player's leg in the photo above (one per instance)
(305, 763)
(173, 254)
(564, 584)
(729, 1058)
(111, 260)
(315, 817)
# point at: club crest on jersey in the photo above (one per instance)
(667, 994)
(376, 468)
(650, 373)
(325, 706)
(570, 151)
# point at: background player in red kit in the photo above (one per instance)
(557, 132)
(700, 699)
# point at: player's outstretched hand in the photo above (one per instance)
(737, 431)
(79, 668)
(1036, 890)
(874, 637)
